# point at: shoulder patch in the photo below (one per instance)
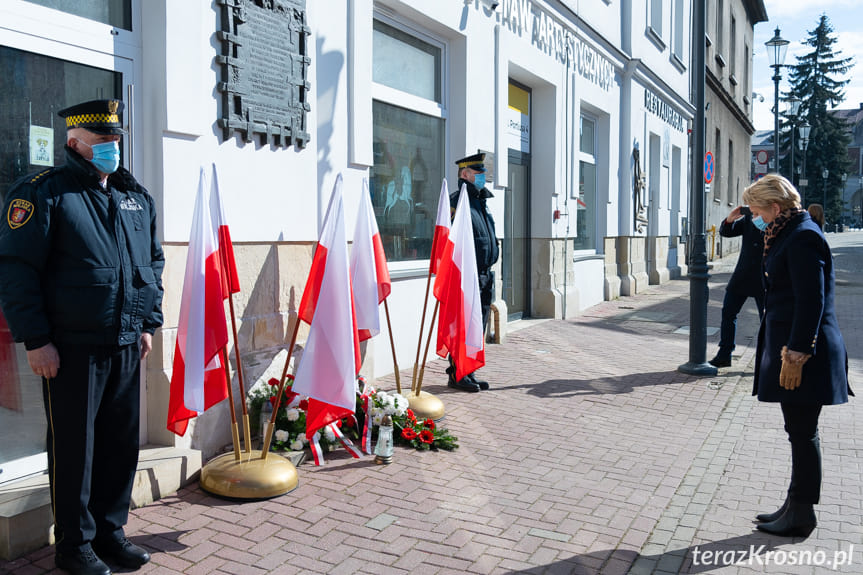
(40, 175)
(19, 213)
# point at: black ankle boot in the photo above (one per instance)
(797, 521)
(768, 517)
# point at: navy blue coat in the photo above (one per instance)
(746, 278)
(799, 312)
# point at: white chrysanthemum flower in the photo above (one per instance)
(293, 414)
(328, 433)
(305, 439)
(282, 435)
(377, 418)
(297, 444)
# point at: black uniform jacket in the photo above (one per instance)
(79, 264)
(746, 278)
(799, 313)
(484, 237)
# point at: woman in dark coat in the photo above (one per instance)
(801, 361)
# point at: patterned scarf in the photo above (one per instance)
(778, 224)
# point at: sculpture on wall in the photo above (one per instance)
(639, 185)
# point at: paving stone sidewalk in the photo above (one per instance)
(590, 454)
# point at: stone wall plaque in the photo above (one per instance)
(264, 70)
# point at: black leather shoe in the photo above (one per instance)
(797, 521)
(768, 517)
(472, 377)
(121, 551)
(81, 562)
(463, 384)
(720, 361)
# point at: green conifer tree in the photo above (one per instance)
(818, 80)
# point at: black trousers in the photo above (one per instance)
(801, 425)
(92, 408)
(731, 306)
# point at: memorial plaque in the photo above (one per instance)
(264, 68)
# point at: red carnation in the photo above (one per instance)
(273, 381)
(411, 415)
(409, 434)
(427, 436)
(428, 423)
(304, 405)
(273, 401)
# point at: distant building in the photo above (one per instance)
(852, 195)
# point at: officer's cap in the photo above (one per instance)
(98, 116)
(474, 162)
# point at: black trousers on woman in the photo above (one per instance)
(801, 425)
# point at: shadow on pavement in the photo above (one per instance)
(564, 388)
(753, 550)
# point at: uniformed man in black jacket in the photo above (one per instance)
(471, 173)
(80, 285)
(745, 282)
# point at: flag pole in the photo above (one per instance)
(428, 343)
(235, 436)
(268, 436)
(422, 325)
(247, 434)
(393, 346)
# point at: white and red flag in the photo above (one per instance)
(441, 228)
(456, 287)
(230, 281)
(370, 277)
(331, 361)
(198, 378)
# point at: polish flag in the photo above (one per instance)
(331, 361)
(460, 332)
(230, 281)
(370, 277)
(198, 379)
(441, 228)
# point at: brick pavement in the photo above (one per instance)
(590, 454)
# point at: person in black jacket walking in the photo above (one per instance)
(745, 282)
(471, 174)
(80, 285)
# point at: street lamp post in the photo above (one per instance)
(793, 109)
(804, 145)
(844, 179)
(824, 173)
(776, 48)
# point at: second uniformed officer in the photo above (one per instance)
(80, 285)
(471, 173)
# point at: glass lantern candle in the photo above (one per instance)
(384, 446)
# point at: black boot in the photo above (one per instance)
(768, 517)
(463, 384)
(81, 561)
(797, 521)
(472, 377)
(721, 360)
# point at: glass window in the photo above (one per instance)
(720, 27)
(406, 63)
(656, 16)
(117, 13)
(409, 127)
(717, 191)
(33, 88)
(678, 29)
(405, 179)
(586, 200)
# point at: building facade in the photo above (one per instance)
(583, 109)
(729, 130)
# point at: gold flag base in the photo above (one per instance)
(249, 478)
(426, 405)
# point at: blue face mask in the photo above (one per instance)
(760, 223)
(479, 181)
(106, 156)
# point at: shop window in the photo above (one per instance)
(586, 200)
(117, 13)
(408, 124)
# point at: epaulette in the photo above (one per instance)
(40, 175)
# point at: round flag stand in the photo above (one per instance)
(426, 406)
(250, 476)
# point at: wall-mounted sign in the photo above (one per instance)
(518, 119)
(526, 19)
(662, 110)
(41, 146)
(264, 70)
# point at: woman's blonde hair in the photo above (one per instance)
(816, 211)
(772, 189)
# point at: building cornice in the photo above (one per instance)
(715, 85)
